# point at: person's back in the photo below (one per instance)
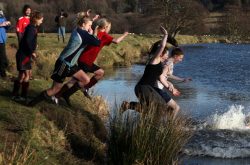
(151, 74)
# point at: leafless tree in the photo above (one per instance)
(178, 15)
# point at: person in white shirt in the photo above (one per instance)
(176, 56)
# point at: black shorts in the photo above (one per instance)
(61, 71)
(23, 62)
(87, 68)
(163, 94)
(147, 94)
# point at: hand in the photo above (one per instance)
(88, 12)
(163, 30)
(187, 79)
(96, 30)
(96, 17)
(176, 92)
(34, 55)
(125, 33)
(90, 30)
(6, 23)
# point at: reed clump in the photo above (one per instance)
(149, 137)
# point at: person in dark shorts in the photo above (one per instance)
(21, 24)
(65, 64)
(24, 54)
(86, 62)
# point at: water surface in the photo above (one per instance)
(218, 97)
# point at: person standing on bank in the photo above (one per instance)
(61, 24)
(4, 25)
(23, 22)
(65, 65)
(24, 54)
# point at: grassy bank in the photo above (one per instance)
(50, 134)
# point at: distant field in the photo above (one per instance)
(129, 51)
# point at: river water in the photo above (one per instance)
(218, 98)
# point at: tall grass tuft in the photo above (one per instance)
(18, 154)
(147, 138)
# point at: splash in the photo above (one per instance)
(223, 135)
(233, 119)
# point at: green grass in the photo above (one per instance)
(49, 131)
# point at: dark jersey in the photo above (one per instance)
(29, 41)
(151, 74)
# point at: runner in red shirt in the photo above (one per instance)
(80, 79)
(23, 22)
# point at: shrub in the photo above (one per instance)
(146, 139)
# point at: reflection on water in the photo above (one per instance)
(221, 78)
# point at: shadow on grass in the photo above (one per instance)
(84, 131)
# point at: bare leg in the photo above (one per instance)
(54, 89)
(174, 106)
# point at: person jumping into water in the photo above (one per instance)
(65, 65)
(86, 63)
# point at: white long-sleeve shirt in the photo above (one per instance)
(169, 64)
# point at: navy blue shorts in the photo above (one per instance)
(147, 94)
(87, 68)
(163, 94)
(61, 71)
(23, 62)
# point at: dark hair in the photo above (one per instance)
(155, 47)
(35, 15)
(25, 7)
(176, 52)
(172, 41)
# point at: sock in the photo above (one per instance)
(25, 88)
(16, 88)
(91, 83)
(66, 95)
(62, 90)
(71, 90)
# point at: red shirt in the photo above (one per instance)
(22, 23)
(89, 55)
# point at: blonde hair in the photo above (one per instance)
(82, 17)
(101, 23)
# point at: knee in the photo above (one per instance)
(99, 74)
(177, 108)
(84, 82)
(26, 78)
